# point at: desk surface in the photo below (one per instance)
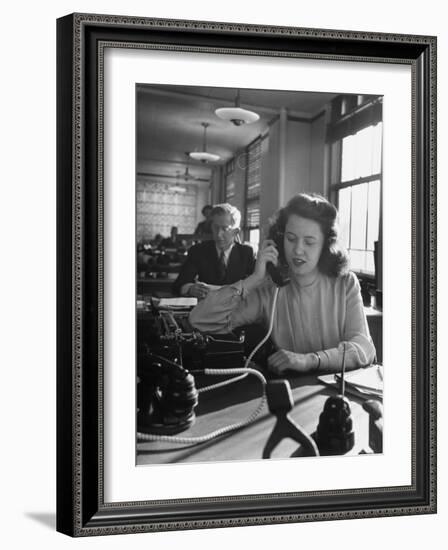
(151, 281)
(234, 403)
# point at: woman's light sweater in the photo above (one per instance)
(319, 317)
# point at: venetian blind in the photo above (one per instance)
(253, 184)
(229, 181)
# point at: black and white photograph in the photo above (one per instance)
(246, 275)
(258, 273)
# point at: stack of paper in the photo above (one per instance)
(177, 303)
(366, 383)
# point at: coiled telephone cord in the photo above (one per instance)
(219, 372)
(221, 431)
(253, 352)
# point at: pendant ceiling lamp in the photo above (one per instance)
(186, 176)
(177, 189)
(203, 155)
(237, 115)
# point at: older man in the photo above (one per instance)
(218, 262)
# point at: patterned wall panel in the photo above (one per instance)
(159, 207)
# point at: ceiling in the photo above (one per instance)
(169, 124)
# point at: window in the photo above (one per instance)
(356, 184)
(359, 212)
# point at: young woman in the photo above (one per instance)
(318, 314)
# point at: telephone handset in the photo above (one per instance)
(279, 273)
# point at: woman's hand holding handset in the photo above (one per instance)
(266, 253)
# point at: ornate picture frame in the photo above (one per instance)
(81, 506)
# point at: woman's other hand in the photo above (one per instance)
(283, 360)
(199, 290)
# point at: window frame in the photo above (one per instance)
(340, 127)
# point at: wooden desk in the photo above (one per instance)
(234, 403)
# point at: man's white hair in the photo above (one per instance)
(226, 208)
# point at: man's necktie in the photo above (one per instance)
(222, 267)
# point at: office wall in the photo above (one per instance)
(158, 208)
(203, 198)
(304, 157)
(317, 155)
(297, 158)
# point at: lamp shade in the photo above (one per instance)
(177, 189)
(204, 156)
(237, 115)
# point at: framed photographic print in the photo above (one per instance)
(246, 274)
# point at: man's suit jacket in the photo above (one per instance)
(203, 261)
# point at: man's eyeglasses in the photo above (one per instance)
(223, 228)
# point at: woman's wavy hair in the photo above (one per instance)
(333, 260)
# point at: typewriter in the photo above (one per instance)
(170, 354)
